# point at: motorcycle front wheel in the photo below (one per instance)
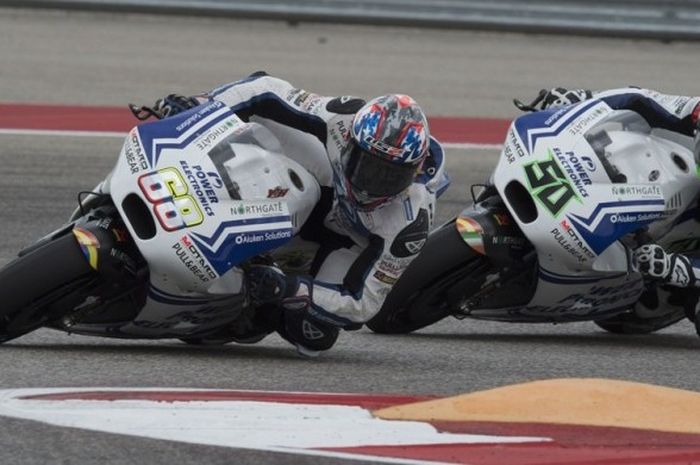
(430, 289)
(33, 283)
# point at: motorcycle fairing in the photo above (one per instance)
(579, 212)
(237, 240)
(611, 220)
(592, 175)
(217, 191)
(555, 121)
(178, 131)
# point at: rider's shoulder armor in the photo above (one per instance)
(433, 174)
(411, 238)
(345, 105)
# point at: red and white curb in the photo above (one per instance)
(93, 121)
(549, 422)
(337, 425)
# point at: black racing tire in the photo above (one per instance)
(31, 284)
(424, 294)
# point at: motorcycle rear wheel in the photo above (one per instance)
(32, 283)
(424, 293)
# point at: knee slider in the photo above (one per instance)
(302, 328)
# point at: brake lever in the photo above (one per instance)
(142, 113)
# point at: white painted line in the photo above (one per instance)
(271, 426)
(121, 135)
(471, 146)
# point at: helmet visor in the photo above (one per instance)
(375, 176)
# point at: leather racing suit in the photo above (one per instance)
(360, 254)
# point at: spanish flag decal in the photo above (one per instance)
(89, 244)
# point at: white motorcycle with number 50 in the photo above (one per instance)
(162, 246)
(549, 238)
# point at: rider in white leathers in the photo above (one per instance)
(672, 112)
(379, 172)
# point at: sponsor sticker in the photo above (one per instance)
(392, 266)
(216, 133)
(193, 260)
(574, 167)
(588, 119)
(199, 115)
(339, 134)
(203, 184)
(589, 163)
(570, 242)
(635, 217)
(385, 278)
(277, 192)
(639, 191)
(134, 153)
(513, 149)
(254, 237)
(304, 100)
(259, 209)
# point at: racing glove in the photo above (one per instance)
(670, 268)
(559, 97)
(170, 105)
(267, 284)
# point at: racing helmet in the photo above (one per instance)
(388, 143)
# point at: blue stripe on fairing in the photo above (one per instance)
(630, 203)
(531, 121)
(231, 252)
(160, 135)
(606, 232)
(210, 241)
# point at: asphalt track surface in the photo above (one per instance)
(110, 59)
